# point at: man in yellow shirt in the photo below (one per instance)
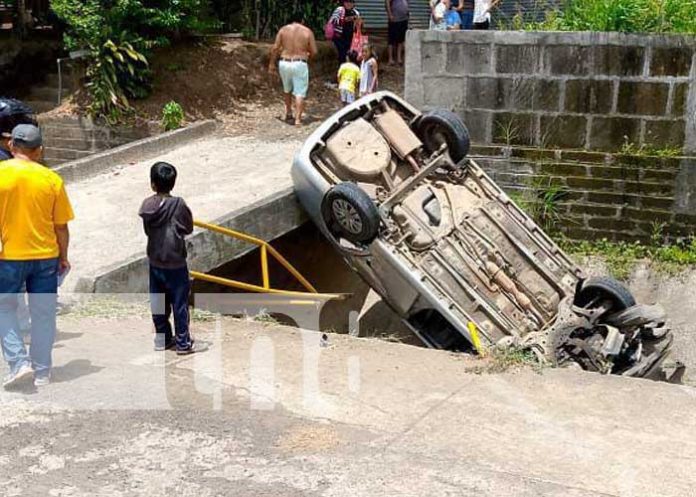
(34, 216)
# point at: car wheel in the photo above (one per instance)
(605, 288)
(442, 126)
(350, 213)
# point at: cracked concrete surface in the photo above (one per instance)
(267, 411)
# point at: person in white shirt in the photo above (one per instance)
(482, 13)
(438, 17)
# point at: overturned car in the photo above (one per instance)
(447, 249)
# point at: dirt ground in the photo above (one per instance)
(227, 79)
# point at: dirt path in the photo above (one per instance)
(268, 411)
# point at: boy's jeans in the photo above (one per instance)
(169, 292)
(41, 279)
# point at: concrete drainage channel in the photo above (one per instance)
(277, 217)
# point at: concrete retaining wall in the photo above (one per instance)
(98, 163)
(618, 197)
(571, 90)
(268, 219)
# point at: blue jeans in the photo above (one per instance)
(467, 19)
(41, 280)
(169, 293)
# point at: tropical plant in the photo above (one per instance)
(118, 36)
(172, 116)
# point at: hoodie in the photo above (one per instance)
(167, 220)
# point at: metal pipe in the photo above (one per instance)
(258, 289)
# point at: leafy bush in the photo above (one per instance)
(627, 16)
(172, 116)
(119, 35)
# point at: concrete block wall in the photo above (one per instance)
(68, 138)
(592, 91)
(613, 196)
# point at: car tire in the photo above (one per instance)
(437, 126)
(605, 287)
(348, 210)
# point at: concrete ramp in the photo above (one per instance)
(240, 182)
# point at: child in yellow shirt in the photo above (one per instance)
(348, 78)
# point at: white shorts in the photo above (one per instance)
(295, 77)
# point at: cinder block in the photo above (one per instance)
(523, 93)
(643, 98)
(611, 172)
(478, 123)
(649, 188)
(547, 95)
(563, 131)
(432, 58)
(663, 203)
(613, 60)
(679, 95)
(594, 210)
(489, 93)
(518, 59)
(514, 128)
(671, 61)
(647, 215)
(603, 223)
(591, 184)
(665, 133)
(444, 92)
(569, 59)
(589, 96)
(465, 59)
(560, 169)
(609, 133)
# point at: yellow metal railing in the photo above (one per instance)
(265, 250)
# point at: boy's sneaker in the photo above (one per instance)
(191, 350)
(166, 346)
(42, 381)
(20, 375)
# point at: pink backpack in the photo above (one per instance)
(329, 30)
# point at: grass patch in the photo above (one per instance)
(622, 257)
(504, 359)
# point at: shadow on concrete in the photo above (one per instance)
(73, 370)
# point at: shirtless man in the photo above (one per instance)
(295, 45)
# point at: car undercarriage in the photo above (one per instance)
(453, 255)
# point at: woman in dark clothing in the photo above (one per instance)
(343, 19)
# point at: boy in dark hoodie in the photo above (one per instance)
(167, 220)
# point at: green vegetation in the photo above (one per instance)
(118, 36)
(541, 202)
(622, 257)
(262, 18)
(626, 16)
(648, 150)
(172, 116)
(503, 359)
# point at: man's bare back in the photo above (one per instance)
(295, 41)
(295, 45)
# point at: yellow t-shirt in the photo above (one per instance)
(348, 77)
(32, 202)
